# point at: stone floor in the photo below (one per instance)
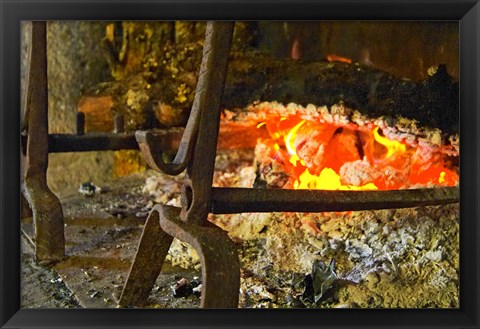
(406, 258)
(102, 233)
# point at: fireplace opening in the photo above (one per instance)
(325, 106)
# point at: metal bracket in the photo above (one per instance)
(218, 258)
(197, 150)
(46, 207)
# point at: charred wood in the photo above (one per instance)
(159, 99)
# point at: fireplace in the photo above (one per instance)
(344, 200)
(316, 148)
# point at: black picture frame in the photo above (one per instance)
(467, 12)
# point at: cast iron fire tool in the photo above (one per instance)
(37, 143)
(196, 154)
(218, 256)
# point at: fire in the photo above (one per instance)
(392, 147)
(441, 179)
(319, 155)
(291, 147)
(327, 180)
(291, 137)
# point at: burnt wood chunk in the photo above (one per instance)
(374, 93)
(253, 76)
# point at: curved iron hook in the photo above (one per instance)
(217, 46)
(218, 258)
(153, 155)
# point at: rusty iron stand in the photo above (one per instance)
(37, 199)
(46, 207)
(218, 255)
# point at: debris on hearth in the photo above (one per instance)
(89, 189)
(185, 288)
(318, 281)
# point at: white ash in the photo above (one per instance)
(248, 226)
(358, 173)
(356, 249)
(162, 188)
(394, 246)
(244, 178)
(197, 289)
(434, 255)
(183, 255)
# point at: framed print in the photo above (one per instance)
(239, 164)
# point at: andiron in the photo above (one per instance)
(196, 155)
(38, 200)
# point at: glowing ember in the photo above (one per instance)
(336, 58)
(320, 155)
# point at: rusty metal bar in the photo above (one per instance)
(217, 253)
(220, 265)
(148, 262)
(218, 258)
(91, 142)
(238, 200)
(119, 123)
(208, 101)
(164, 140)
(208, 95)
(80, 123)
(46, 207)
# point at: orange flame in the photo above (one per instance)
(388, 164)
(392, 147)
(328, 179)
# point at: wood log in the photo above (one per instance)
(252, 77)
(433, 102)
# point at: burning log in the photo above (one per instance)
(153, 99)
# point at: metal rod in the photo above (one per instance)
(46, 207)
(164, 140)
(91, 142)
(80, 124)
(208, 101)
(119, 123)
(238, 200)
